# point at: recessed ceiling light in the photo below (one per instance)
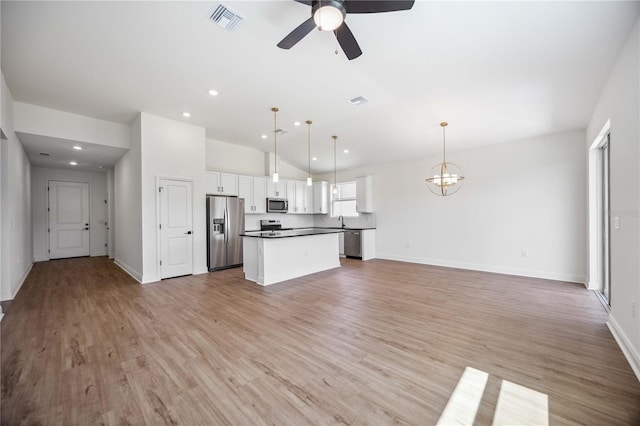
(77, 147)
(213, 92)
(186, 114)
(73, 163)
(314, 158)
(346, 151)
(263, 136)
(296, 123)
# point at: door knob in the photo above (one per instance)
(188, 233)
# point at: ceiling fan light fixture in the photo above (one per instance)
(328, 14)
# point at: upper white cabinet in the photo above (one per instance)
(277, 190)
(320, 197)
(221, 183)
(254, 191)
(364, 194)
(300, 197)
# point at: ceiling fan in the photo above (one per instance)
(329, 15)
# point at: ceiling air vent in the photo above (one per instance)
(281, 131)
(226, 18)
(46, 154)
(359, 100)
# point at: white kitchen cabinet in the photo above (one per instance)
(364, 194)
(277, 189)
(368, 244)
(308, 198)
(254, 191)
(220, 183)
(300, 197)
(320, 197)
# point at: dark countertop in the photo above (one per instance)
(290, 233)
(349, 228)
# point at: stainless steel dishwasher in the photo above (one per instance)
(352, 243)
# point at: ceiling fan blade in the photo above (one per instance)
(307, 2)
(348, 41)
(298, 34)
(376, 6)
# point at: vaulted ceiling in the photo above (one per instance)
(496, 71)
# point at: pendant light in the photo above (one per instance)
(275, 145)
(334, 190)
(309, 179)
(445, 178)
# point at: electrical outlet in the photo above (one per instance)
(408, 245)
(634, 308)
(616, 222)
(524, 253)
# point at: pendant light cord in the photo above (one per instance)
(335, 180)
(275, 140)
(309, 144)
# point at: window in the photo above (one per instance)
(344, 202)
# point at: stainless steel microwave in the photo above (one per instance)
(277, 205)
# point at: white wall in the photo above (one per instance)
(524, 195)
(43, 121)
(227, 157)
(17, 249)
(620, 103)
(172, 149)
(128, 205)
(40, 178)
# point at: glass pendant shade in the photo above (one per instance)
(309, 181)
(276, 178)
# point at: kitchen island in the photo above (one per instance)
(274, 256)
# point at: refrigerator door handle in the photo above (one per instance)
(226, 225)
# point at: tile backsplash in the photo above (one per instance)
(364, 220)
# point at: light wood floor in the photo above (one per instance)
(375, 342)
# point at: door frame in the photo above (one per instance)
(595, 213)
(158, 236)
(48, 211)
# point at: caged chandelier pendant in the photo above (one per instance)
(445, 178)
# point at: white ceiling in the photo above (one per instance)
(496, 71)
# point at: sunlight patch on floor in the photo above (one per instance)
(465, 399)
(517, 405)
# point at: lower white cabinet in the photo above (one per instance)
(254, 191)
(341, 244)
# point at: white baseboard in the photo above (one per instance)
(150, 278)
(556, 276)
(129, 270)
(41, 259)
(98, 253)
(22, 280)
(627, 348)
(200, 270)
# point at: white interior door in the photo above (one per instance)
(68, 219)
(176, 231)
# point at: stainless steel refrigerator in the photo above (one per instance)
(225, 223)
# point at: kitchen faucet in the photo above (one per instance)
(341, 219)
